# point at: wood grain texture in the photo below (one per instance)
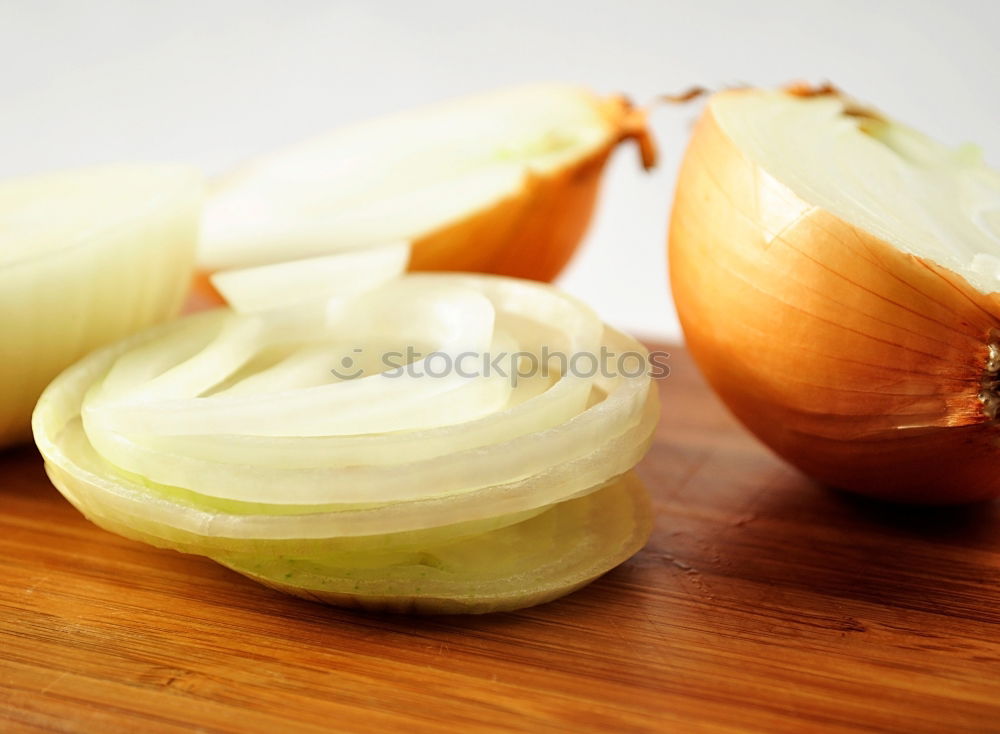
(763, 603)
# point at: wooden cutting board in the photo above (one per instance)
(763, 603)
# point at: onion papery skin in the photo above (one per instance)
(858, 363)
(498, 510)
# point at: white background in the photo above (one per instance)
(213, 81)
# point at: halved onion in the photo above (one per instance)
(837, 277)
(86, 257)
(304, 446)
(499, 183)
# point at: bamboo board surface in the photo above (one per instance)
(763, 603)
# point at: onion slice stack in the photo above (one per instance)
(411, 443)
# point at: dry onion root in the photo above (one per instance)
(227, 434)
(86, 257)
(837, 275)
(499, 183)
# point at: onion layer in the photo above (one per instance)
(321, 445)
(86, 257)
(835, 274)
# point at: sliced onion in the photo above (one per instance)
(528, 562)
(227, 434)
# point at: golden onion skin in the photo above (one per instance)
(531, 234)
(867, 368)
(534, 233)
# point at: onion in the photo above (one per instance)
(498, 183)
(86, 257)
(837, 275)
(295, 440)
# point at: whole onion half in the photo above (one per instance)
(503, 182)
(316, 439)
(837, 275)
(86, 257)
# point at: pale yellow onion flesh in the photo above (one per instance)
(836, 276)
(528, 562)
(253, 289)
(929, 200)
(86, 257)
(226, 434)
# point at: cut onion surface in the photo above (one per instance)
(837, 275)
(499, 183)
(86, 257)
(400, 444)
